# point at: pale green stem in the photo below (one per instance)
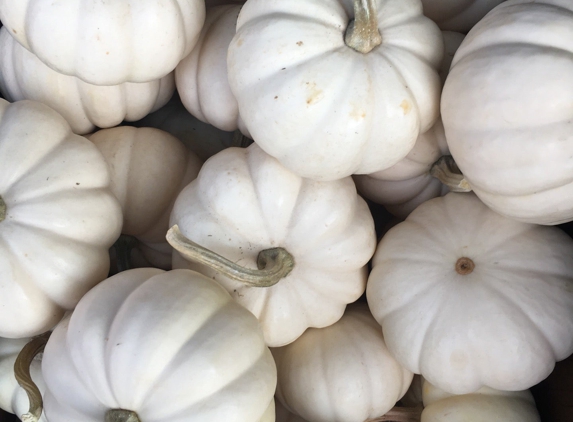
(362, 33)
(121, 415)
(273, 264)
(22, 375)
(400, 414)
(447, 172)
(2, 209)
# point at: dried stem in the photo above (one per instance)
(362, 33)
(447, 172)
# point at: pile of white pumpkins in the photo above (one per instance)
(238, 273)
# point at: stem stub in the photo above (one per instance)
(362, 33)
(2, 209)
(121, 415)
(465, 266)
(447, 172)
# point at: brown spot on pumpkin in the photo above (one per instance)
(356, 112)
(300, 43)
(239, 42)
(276, 96)
(107, 52)
(314, 94)
(406, 106)
(14, 31)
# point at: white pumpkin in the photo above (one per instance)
(148, 168)
(58, 217)
(407, 184)
(243, 202)
(165, 346)
(201, 138)
(468, 298)
(318, 104)
(24, 77)
(13, 398)
(507, 110)
(201, 77)
(106, 43)
(458, 15)
(485, 405)
(340, 373)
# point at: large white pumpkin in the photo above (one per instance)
(340, 373)
(244, 201)
(58, 217)
(24, 77)
(468, 298)
(485, 405)
(168, 346)
(507, 110)
(201, 77)
(106, 43)
(324, 109)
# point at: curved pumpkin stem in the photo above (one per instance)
(401, 414)
(274, 264)
(362, 33)
(121, 415)
(447, 172)
(22, 374)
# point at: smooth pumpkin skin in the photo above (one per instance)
(341, 373)
(61, 218)
(201, 77)
(324, 110)
(148, 168)
(24, 77)
(502, 325)
(13, 398)
(170, 346)
(244, 201)
(507, 112)
(485, 405)
(106, 43)
(458, 15)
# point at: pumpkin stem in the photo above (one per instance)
(362, 33)
(121, 415)
(22, 375)
(274, 264)
(2, 209)
(401, 414)
(447, 172)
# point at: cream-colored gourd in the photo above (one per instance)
(13, 398)
(58, 217)
(411, 181)
(468, 298)
(244, 202)
(164, 346)
(340, 373)
(458, 15)
(507, 110)
(485, 405)
(24, 77)
(325, 107)
(201, 138)
(106, 43)
(201, 77)
(148, 168)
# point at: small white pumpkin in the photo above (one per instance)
(507, 111)
(106, 43)
(24, 77)
(340, 373)
(468, 298)
(485, 405)
(163, 346)
(244, 202)
(328, 105)
(58, 218)
(458, 15)
(13, 398)
(201, 77)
